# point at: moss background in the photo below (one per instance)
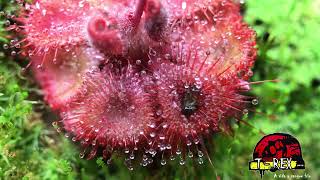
(289, 50)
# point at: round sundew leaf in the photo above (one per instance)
(214, 35)
(51, 23)
(193, 105)
(226, 51)
(111, 111)
(60, 72)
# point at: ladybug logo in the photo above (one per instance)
(277, 151)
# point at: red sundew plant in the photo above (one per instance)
(140, 78)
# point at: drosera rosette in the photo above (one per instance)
(143, 79)
(111, 113)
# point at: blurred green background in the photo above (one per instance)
(289, 50)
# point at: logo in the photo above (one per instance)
(275, 152)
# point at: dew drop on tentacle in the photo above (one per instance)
(245, 112)
(182, 161)
(5, 46)
(163, 162)
(255, 101)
